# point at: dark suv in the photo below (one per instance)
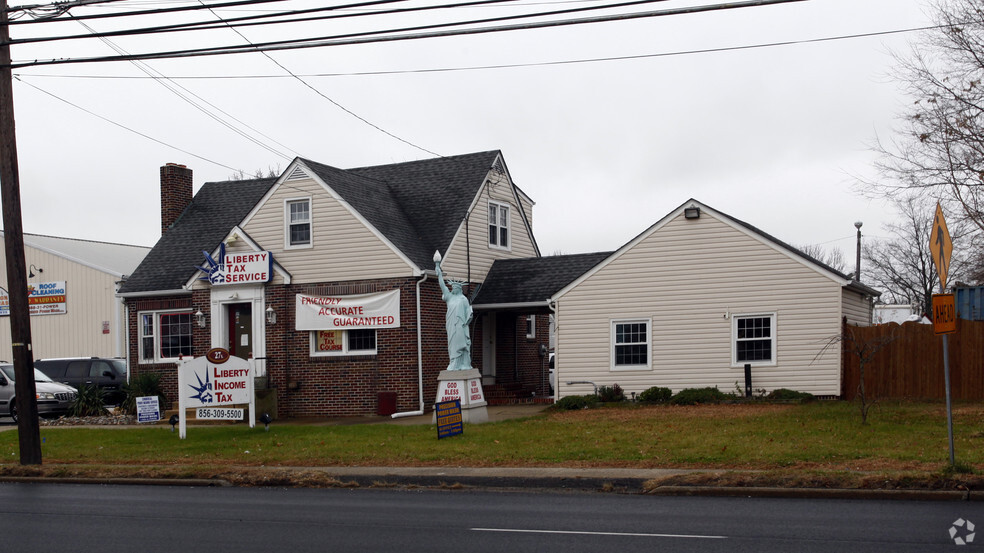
(108, 374)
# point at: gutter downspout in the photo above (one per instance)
(420, 362)
(552, 306)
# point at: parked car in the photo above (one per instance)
(106, 373)
(53, 398)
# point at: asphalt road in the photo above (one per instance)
(65, 517)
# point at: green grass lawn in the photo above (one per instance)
(813, 436)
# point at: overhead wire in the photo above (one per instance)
(250, 21)
(370, 36)
(173, 88)
(517, 65)
(332, 101)
(120, 125)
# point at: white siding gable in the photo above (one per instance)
(470, 247)
(690, 278)
(344, 245)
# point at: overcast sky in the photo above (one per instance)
(774, 136)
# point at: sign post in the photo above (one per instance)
(214, 381)
(944, 314)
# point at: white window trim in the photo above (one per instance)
(531, 323)
(649, 345)
(287, 244)
(345, 346)
(509, 233)
(734, 339)
(157, 334)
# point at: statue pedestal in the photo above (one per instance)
(466, 387)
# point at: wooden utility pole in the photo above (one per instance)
(20, 316)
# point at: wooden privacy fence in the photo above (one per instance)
(908, 363)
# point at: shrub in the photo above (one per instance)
(785, 394)
(655, 394)
(694, 396)
(89, 403)
(144, 384)
(573, 403)
(611, 394)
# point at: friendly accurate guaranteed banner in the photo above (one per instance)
(380, 310)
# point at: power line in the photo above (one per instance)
(333, 102)
(317, 42)
(133, 13)
(522, 65)
(173, 88)
(250, 21)
(120, 125)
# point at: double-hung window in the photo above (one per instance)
(164, 336)
(631, 344)
(326, 343)
(499, 225)
(297, 215)
(754, 339)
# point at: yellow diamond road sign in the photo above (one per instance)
(941, 246)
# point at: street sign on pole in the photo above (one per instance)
(940, 245)
(944, 314)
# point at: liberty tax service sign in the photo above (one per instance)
(45, 298)
(212, 382)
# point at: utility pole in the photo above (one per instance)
(857, 266)
(28, 429)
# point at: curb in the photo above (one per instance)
(819, 493)
(199, 482)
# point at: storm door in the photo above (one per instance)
(241, 329)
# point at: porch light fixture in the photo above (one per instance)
(200, 318)
(32, 268)
(692, 212)
(271, 315)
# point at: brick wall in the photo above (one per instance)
(350, 385)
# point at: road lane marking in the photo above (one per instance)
(633, 534)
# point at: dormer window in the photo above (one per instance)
(297, 215)
(499, 225)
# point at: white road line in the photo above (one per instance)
(521, 531)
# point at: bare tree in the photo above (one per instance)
(901, 266)
(939, 152)
(833, 258)
(853, 342)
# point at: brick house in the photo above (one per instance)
(325, 278)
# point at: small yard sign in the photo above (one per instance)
(448, 414)
(148, 409)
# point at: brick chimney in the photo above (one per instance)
(175, 193)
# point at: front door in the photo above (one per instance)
(241, 330)
(488, 348)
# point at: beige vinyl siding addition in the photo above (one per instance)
(456, 260)
(857, 308)
(689, 278)
(90, 300)
(344, 248)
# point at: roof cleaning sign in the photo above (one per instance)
(348, 312)
(45, 298)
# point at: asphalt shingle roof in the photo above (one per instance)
(533, 279)
(418, 206)
(213, 212)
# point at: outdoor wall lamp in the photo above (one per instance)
(32, 268)
(200, 318)
(692, 212)
(271, 315)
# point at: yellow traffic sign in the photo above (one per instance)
(940, 245)
(944, 314)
